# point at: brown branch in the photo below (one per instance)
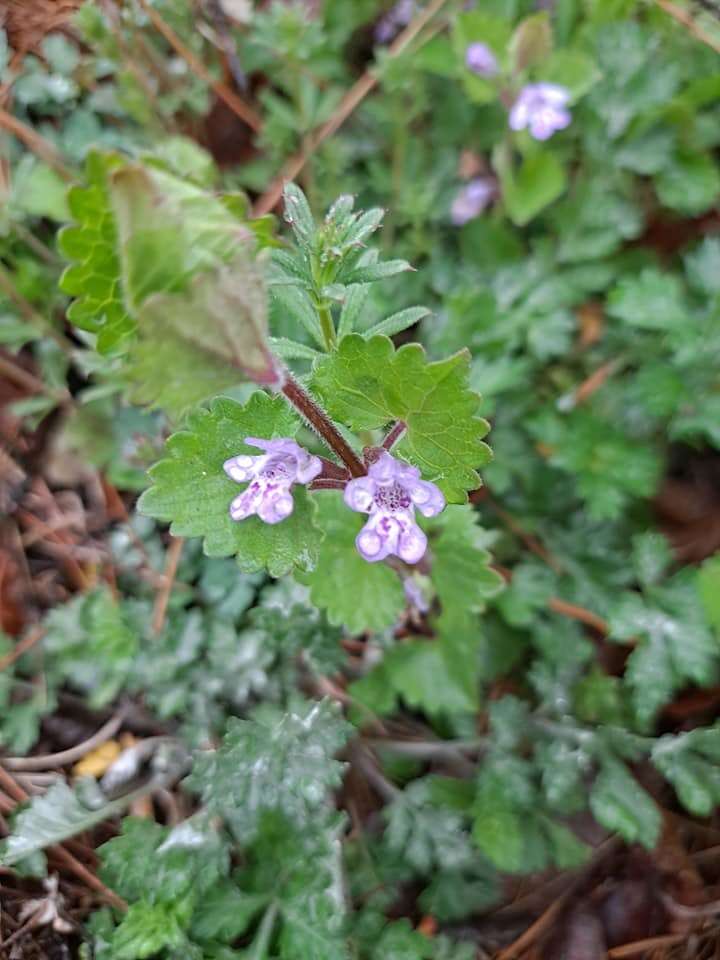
(236, 104)
(686, 20)
(13, 789)
(36, 143)
(536, 929)
(394, 435)
(574, 612)
(50, 760)
(592, 383)
(162, 598)
(352, 99)
(645, 946)
(29, 312)
(321, 424)
(21, 647)
(530, 541)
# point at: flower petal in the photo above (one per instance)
(427, 498)
(412, 543)
(240, 468)
(359, 494)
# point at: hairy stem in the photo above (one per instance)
(394, 435)
(321, 423)
(327, 326)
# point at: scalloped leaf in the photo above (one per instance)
(367, 384)
(360, 595)
(191, 490)
(92, 243)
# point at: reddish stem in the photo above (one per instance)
(322, 424)
(326, 484)
(394, 435)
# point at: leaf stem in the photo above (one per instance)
(260, 944)
(321, 423)
(394, 435)
(327, 326)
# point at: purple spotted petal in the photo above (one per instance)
(389, 493)
(428, 498)
(270, 478)
(359, 494)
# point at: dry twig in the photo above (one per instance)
(163, 596)
(352, 99)
(236, 103)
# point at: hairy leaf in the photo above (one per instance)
(353, 592)
(367, 384)
(191, 490)
(285, 766)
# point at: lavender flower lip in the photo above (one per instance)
(389, 493)
(270, 478)
(481, 60)
(542, 109)
(471, 200)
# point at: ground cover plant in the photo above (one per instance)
(360, 551)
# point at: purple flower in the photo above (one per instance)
(394, 20)
(415, 596)
(271, 476)
(472, 200)
(541, 107)
(389, 493)
(480, 59)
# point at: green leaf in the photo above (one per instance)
(169, 230)
(620, 804)
(225, 912)
(651, 557)
(702, 266)
(283, 765)
(652, 301)
(690, 184)
(91, 645)
(297, 214)
(374, 271)
(460, 569)
(439, 677)
(39, 191)
(709, 587)
(540, 180)
(675, 646)
(367, 384)
(691, 762)
(291, 350)
(148, 928)
(360, 595)
(92, 243)
(532, 41)
(187, 860)
(191, 490)
(572, 69)
(51, 818)
(196, 345)
(398, 322)
(429, 837)
(510, 826)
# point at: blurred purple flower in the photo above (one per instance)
(481, 60)
(415, 596)
(394, 20)
(472, 200)
(271, 476)
(389, 493)
(541, 107)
